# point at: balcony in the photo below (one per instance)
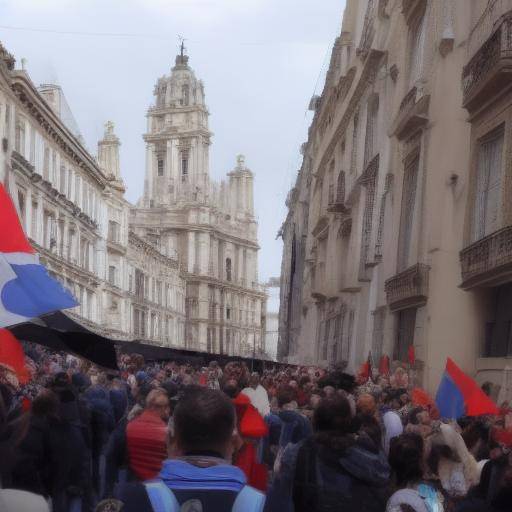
(487, 262)
(412, 114)
(408, 289)
(488, 71)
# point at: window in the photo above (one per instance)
(70, 183)
(407, 213)
(33, 221)
(112, 275)
(355, 133)
(498, 330)
(488, 185)
(160, 166)
(184, 165)
(228, 269)
(406, 325)
(185, 93)
(62, 184)
(371, 130)
(21, 204)
(416, 43)
(228, 313)
(19, 136)
(114, 230)
(32, 156)
(46, 163)
(139, 284)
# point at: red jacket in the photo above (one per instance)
(146, 438)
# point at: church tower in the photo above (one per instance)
(177, 139)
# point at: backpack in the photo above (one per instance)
(320, 487)
(424, 499)
(163, 499)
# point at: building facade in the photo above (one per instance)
(399, 224)
(211, 226)
(148, 271)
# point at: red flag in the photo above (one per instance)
(411, 355)
(12, 355)
(384, 365)
(475, 400)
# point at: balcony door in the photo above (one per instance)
(488, 185)
(406, 325)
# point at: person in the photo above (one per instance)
(331, 470)
(452, 463)
(197, 474)
(12, 431)
(257, 395)
(146, 436)
(393, 427)
(406, 461)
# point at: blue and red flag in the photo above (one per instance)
(26, 289)
(459, 395)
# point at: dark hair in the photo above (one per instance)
(204, 419)
(413, 415)
(332, 423)
(285, 395)
(367, 424)
(405, 458)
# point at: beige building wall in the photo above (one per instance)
(398, 224)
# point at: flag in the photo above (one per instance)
(26, 289)
(459, 395)
(384, 365)
(12, 356)
(411, 355)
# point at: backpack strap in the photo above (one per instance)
(161, 497)
(249, 500)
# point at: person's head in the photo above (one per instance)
(254, 380)
(204, 421)
(366, 404)
(329, 391)
(157, 401)
(368, 426)
(230, 388)
(285, 395)
(406, 458)
(417, 416)
(333, 415)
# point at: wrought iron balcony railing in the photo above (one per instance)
(488, 261)
(409, 288)
(489, 69)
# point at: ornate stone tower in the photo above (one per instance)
(177, 139)
(210, 226)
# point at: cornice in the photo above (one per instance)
(53, 126)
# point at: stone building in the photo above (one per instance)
(211, 226)
(399, 225)
(180, 268)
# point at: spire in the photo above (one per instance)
(181, 59)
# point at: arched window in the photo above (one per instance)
(340, 188)
(185, 95)
(228, 269)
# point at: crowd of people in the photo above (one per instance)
(165, 437)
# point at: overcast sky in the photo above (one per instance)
(260, 61)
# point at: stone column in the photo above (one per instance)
(191, 251)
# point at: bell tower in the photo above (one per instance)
(177, 139)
